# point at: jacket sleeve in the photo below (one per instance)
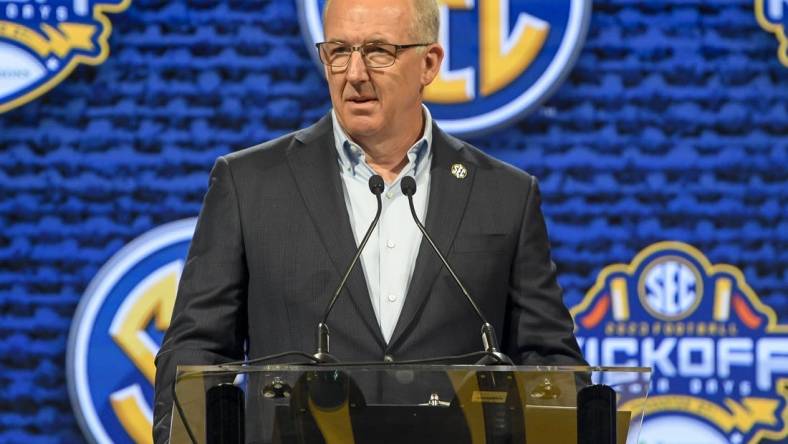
(209, 318)
(541, 330)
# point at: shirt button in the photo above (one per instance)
(392, 297)
(389, 195)
(390, 243)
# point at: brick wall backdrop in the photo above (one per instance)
(672, 126)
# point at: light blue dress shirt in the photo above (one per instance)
(390, 255)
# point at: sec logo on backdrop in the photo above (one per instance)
(116, 334)
(503, 57)
(42, 42)
(719, 355)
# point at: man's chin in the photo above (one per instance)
(362, 128)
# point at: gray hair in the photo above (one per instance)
(425, 28)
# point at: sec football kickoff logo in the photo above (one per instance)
(772, 16)
(503, 58)
(116, 333)
(42, 42)
(718, 354)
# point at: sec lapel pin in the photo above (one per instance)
(459, 171)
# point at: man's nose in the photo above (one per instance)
(357, 69)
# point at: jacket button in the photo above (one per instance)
(388, 358)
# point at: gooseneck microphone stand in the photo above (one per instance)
(492, 355)
(322, 354)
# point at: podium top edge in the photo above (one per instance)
(385, 366)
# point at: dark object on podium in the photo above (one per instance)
(224, 414)
(377, 424)
(329, 407)
(596, 415)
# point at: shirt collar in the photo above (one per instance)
(352, 157)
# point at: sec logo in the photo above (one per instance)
(116, 334)
(503, 58)
(670, 288)
(718, 354)
(41, 42)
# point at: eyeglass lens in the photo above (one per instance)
(376, 55)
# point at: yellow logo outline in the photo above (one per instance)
(742, 416)
(99, 12)
(777, 30)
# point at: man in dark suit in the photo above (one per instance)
(281, 221)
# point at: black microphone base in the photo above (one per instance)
(325, 358)
(495, 358)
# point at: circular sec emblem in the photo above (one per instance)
(671, 288)
(116, 333)
(503, 58)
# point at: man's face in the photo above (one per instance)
(375, 103)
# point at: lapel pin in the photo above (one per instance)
(459, 171)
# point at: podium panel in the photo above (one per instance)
(389, 403)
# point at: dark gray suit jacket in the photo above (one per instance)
(273, 238)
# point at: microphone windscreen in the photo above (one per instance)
(329, 390)
(408, 185)
(224, 414)
(376, 185)
(596, 415)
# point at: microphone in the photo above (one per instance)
(322, 354)
(489, 342)
(596, 415)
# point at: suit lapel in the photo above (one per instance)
(314, 165)
(446, 206)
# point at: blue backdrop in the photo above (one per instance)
(672, 126)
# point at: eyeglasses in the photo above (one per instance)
(375, 55)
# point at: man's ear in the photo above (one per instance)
(431, 63)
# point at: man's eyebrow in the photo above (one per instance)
(376, 38)
(372, 39)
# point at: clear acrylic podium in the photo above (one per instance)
(384, 403)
